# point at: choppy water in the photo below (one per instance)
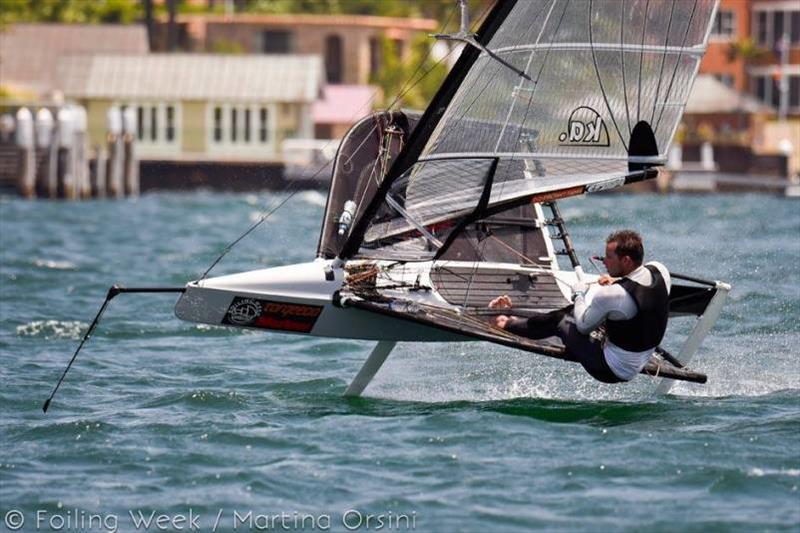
(162, 415)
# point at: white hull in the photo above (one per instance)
(253, 300)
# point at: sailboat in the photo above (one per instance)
(431, 215)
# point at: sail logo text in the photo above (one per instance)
(585, 127)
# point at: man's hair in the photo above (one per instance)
(628, 243)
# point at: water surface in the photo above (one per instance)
(163, 415)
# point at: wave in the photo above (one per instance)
(315, 198)
(54, 265)
(53, 329)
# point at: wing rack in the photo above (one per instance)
(472, 326)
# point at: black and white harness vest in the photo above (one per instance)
(646, 329)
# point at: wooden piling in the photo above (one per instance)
(26, 168)
(131, 170)
(116, 185)
(66, 144)
(99, 188)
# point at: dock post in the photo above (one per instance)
(707, 156)
(66, 145)
(47, 139)
(129, 151)
(82, 184)
(116, 187)
(24, 139)
(99, 187)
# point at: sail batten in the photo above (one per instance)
(656, 160)
(697, 50)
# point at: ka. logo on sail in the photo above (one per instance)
(585, 128)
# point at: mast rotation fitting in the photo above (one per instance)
(467, 37)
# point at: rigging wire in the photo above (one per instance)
(404, 90)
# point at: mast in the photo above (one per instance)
(427, 124)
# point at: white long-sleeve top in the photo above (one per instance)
(614, 303)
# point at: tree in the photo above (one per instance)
(396, 74)
(746, 50)
(70, 11)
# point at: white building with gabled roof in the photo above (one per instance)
(198, 106)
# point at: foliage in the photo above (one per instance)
(396, 74)
(223, 46)
(436, 9)
(745, 49)
(70, 11)
(16, 94)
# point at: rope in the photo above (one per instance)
(512, 250)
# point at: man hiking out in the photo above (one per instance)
(632, 302)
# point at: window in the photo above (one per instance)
(761, 25)
(374, 56)
(767, 88)
(157, 124)
(398, 48)
(771, 25)
(239, 126)
(777, 27)
(154, 123)
(140, 122)
(794, 91)
(323, 131)
(262, 125)
(760, 88)
(170, 123)
(724, 25)
(333, 58)
(276, 42)
(775, 99)
(217, 124)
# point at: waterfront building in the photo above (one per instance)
(754, 48)
(199, 107)
(351, 45)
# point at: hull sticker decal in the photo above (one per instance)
(267, 314)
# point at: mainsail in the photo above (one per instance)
(608, 83)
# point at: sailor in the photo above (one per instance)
(631, 302)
